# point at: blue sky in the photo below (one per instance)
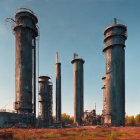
(74, 26)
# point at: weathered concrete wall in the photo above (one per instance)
(114, 80)
(78, 90)
(58, 92)
(4, 117)
(25, 32)
(118, 86)
(107, 99)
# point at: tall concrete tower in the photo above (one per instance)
(25, 31)
(44, 100)
(78, 89)
(114, 79)
(58, 90)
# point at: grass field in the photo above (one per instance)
(82, 133)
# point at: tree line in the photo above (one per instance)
(131, 120)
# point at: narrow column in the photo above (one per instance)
(58, 90)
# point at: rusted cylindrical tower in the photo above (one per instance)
(58, 90)
(78, 89)
(44, 100)
(114, 79)
(25, 31)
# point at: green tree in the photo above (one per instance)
(66, 119)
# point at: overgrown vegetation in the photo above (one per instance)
(72, 133)
(90, 133)
(110, 135)
(83, 133)
(75, 134)
(114, 135)
(51, 135)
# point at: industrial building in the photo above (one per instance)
(90, 118)
(114, 79)
(26, 32)
(78, 73)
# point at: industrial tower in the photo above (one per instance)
(45, 101)
(25, 31)
(58, 90)
(78, 89)
(114, 79)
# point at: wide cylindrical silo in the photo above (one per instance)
(25, 31)
(78, 73)
(114, 79)
(44, 100)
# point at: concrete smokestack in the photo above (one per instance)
(25, 31)
(78, 89)
(114, 79)
(58, 90)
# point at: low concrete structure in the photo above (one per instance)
(8, 119)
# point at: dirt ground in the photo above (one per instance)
(82, 133)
